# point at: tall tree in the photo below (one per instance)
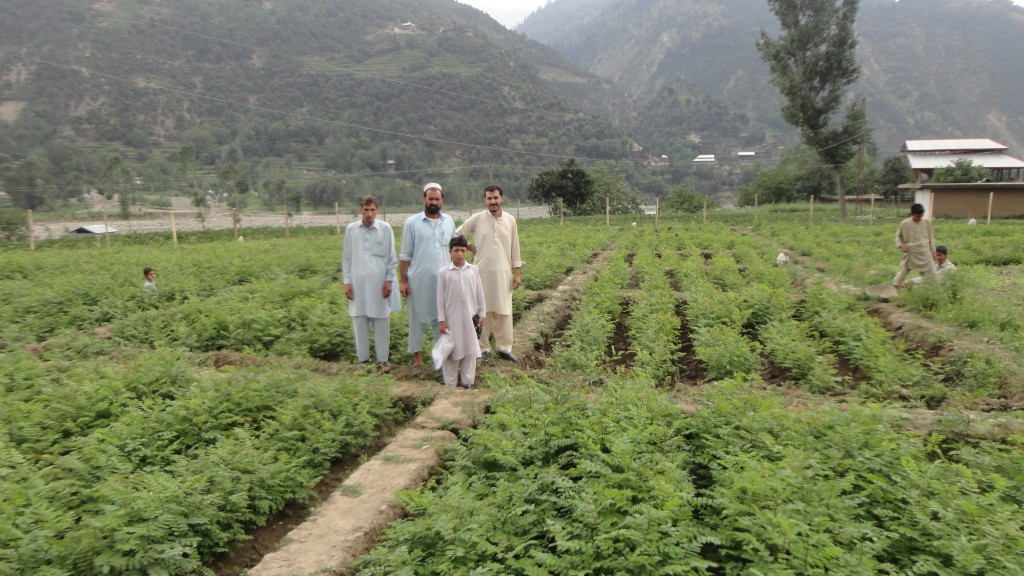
(568, 183)
(813, 62)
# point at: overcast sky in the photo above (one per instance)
(512, 12)
(509, 12)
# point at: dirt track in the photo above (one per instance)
(219, 218)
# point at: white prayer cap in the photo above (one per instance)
(432, 185)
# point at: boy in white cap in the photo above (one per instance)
(425, 239)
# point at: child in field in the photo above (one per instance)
(149, 286)
(460, 295)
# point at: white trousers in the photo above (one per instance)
(464, 368)
(501, 326)
(416, 331)
(381, 337)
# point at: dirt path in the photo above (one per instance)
(220, 218)
(355, 514)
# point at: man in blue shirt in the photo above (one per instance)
(425, 238)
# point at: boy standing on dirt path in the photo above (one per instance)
(460, 296)
(914, 238)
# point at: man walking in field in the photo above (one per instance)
(914, 238)
(495, 249)
(425, 239)
(368, 264)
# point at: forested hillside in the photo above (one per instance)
(309, 102)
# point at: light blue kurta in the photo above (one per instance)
(368, 259)
(425, 247)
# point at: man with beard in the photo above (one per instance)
(495, 251)
(425, 239)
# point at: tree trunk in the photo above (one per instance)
(840, 192)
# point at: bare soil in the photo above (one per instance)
(184, 218)
(348, 523)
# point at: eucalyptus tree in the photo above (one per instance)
(813, 63)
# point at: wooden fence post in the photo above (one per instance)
(31, 234)
(991, 196)
(174, 230)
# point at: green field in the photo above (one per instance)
(685, 406)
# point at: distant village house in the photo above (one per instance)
(1000, 196)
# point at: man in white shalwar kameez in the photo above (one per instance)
(368, 265)
(914, 238)
(495, 249)
(460, 296)
(425, 238)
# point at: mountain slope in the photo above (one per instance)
(383, 87)
(932, 68)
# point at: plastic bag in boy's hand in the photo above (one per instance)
(476, 325)
(442, 349)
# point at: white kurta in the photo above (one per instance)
(460, 296)
(368, 258)
(425, 247)
(497, 254)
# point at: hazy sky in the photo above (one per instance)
(509, 12)
(513, 12)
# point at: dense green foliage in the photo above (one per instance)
(617, 481)
(962, 170)
(703, 412)
(797, 177)
(155, 465)
(682, 199)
